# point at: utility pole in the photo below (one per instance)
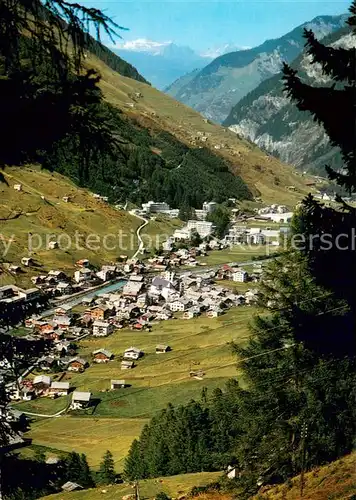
(304, 435)
(137, 491)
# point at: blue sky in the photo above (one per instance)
(202, 25)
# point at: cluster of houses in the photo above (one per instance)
(57, 282)
(145, 298)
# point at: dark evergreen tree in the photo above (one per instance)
(134, 466)
(330, 231)
(73, 467)
(107, 473)
(162, 496)
(86, 478)
(44, 92)
(221, 220)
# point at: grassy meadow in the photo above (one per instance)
(117, 417)
(39, 209)
(335, 481)
(92, 436)
(174, 486)
(237, 253)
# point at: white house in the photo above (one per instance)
(102, 328)
(162, 286)
(80, 400)
(18, 187)
(239, 275)
(179, 305)
(83, 274)
(117, 384)
(104, 274)
(43, 380)
(215, 312)
(133, 353)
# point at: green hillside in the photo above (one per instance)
(39, 209)
(158, 113)
(335, 481)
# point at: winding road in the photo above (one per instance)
(138, 234)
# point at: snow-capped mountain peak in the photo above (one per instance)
(143, 45)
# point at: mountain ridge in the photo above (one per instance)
(227, 79)
(270, 120)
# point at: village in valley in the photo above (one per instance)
(98, 317)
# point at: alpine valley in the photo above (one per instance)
(220, 85)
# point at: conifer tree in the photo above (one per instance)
(73, 467)
(107, 473)
(45, 94)
(86, 479)
(333, 106)
(134, 463)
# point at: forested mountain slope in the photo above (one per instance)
(269, 119)
(114, 61)
(227, 79)
(168, 134)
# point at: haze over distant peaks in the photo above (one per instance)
(162, 63)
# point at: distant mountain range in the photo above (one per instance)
(220, 85)
(161, 63)
(269, 119)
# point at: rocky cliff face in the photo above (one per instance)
(219, 86)
(269, 119)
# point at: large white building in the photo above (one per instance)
(203, 228)
(152, 207)
(180, 305)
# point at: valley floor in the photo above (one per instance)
(117, 417)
